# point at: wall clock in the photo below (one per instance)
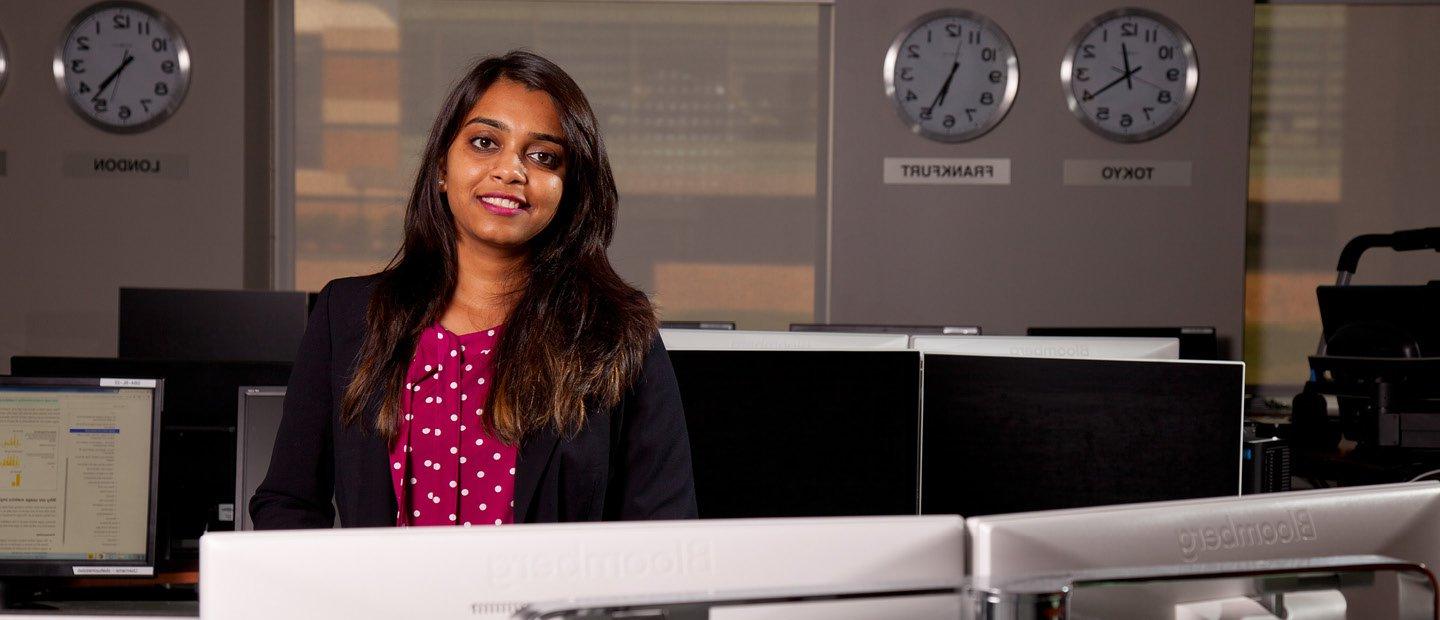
(122, 66)
(4, 64)
(1130, 75)
(952, 75)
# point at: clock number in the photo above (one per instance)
(1166, 52)
(1129, 29)
(124, 113)
(1147, 110)
(925, 114)
(145, 103)
(1082, 74)
(77, 66)
(910, 95)
(996, 76)
(970, 114)
(974, 37)
(952, 30)
(168, 66)
(162, 89)
(1126, 120)
(121, 22)
(82, 43)
(1087, 50)
(1102, 114)
(1152, 35)
(907, 74)
(100, 105)
(987, 54)
(84, 88)
(913, 50)
(1173, 75)
(987, 98)
(142, 27)
(159, 44)
(1163, 97)
(948, 122)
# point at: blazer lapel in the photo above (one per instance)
(530, 466)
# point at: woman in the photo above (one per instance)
(498, 370)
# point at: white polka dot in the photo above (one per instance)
(453, 484)
(486, 351)
(439, 399)
(480, 381)
(497, 456)
(428, 368)
(480, 411)
(467, 524)
(417, 388)
(490, 333)
(479, 474)
(409, 386)
(455, 418)
(425, 431)
(454, 385)
(430, 495)
(464, 397)
(435, 376)
(499, 522)
(397, 464)
(512, 471)
(436, 466)
(464, 492)
(429, 399)
(409, 449)
(497, 488)
(412, 481)
(462, 460)
(452, 517)
(512, 503)
(479, 442)
(462, 428)
(435, 499)
(454, 450)
(427, 462)
(468, 367)
(439, 367)
(482, 506)
(437, 432)
(416, 513)
(409, 417)
(439, 335)
(462, 347)
(453, 352)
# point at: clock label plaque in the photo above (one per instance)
(946, 171)
(1127, 173)
(87, 165)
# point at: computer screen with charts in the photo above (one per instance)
(78, 475)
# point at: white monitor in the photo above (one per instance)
(1056, 346)
(490, 572)
(703, 339)
(1396, 520)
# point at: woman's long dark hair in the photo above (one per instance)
(578, 334)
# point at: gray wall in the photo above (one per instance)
(1037, 252)
(68, 244)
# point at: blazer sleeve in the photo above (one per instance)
(654, 476)
(299, 485)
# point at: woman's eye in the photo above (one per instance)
(483, 142)
(545, 159)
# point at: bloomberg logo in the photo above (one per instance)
(1297, 527)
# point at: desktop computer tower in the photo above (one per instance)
(1266, 465)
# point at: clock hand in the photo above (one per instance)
(1088, 96)
(945, 88)
(111, 78)
(1138, 78)
(1125, 55)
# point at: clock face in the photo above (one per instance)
(1130, 75)
(123, 66)
(952, 75)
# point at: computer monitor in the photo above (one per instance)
(1014, 434)
(720, 325)
(79, 459)
(1381, 321)
(1035, 346)
(1196, 343)
(802, 433)
(489, 572)
(1396, 520)
(685, 339)
(257, 421)
(866, 328)
(184, 324)
(197, 454)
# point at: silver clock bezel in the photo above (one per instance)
(182, 56)
(1192, 75)
(1012, 70)
(4, 64)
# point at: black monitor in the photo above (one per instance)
(1196, 343)
(78, 476)
(1010, 434)
(873, 328)
(197, 456)
(1381, 321)
(188, 324)
(802, 433)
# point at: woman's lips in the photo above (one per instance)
(502, 205)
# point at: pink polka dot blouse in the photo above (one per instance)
(446, 468)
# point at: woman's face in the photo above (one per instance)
(503, 174)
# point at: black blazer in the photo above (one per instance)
(632, 462)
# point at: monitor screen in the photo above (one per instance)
(802, 433)
(1005, 434)
(1196, 343)
(211, 325)
(197, 455)
(78, 459)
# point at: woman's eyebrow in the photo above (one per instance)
(481, 120)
